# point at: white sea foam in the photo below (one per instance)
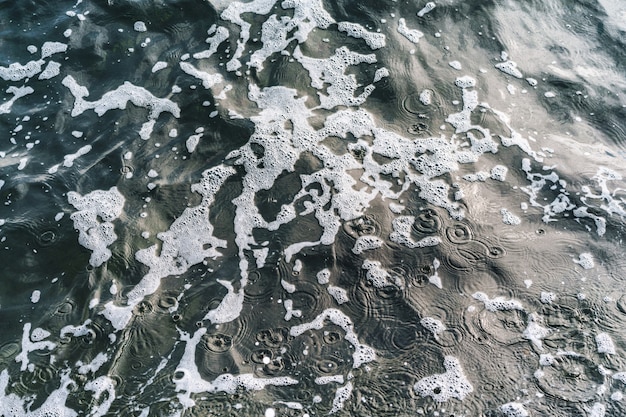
(442, 387)
(93, 220)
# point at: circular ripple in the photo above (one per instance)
(427, 222)
(307, 298)
(496, 251)
(459, 233)
(503, 327)
(218, 343)
(365, 225)
(260, 356)
(214, 406)
(388, 395)
(8, 351)
(571, 377)
(273, 338)
(41, 378)
(211, 364)
(399, 338)
(452, 336)
(261, 285)
(48, 237)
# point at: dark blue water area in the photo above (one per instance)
(309, 207)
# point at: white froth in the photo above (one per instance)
(534, 331)
(585, 260)
(39, 334)
(140, 26)
(402, 234)
(362, 353)
(342, 87)
(597, 410)
(219, 36)
(52, 70)
(509, 67)
(435, 279)
(498, 303)
(547, 297)
(339, 294)
(118, 99)
(372, 39)
(96, 211)
(18, 92)
(514, 409)
(50, 48)
(433, 325)
(323, 277)
(509, 218)
(31, 345)
(378, 276)
(68, 160)
(465, 81)
(426, 9)
(329, 379)
(413, 35)
(208, 80)
(456, 65)
(426, 97)
(498, 173)
(341, 396)
(233, 13)
(364, 243)
(442, 387)
(158, 66)
(605, 344)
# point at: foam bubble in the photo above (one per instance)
(442, 387)
(18, 92)
(342, 395)
(509, 218)
(514, 409)
(50, 48)
(402, 234)
(433, 325)
(52, 70)
(372, 39)
(498, 303)
(364, 243)
(208, 80)
(585, 260)
(413, 35)
(118, 98)
(456, 65)
(498, 173)
(339, 294)
(428, 7)
(158, 66)
(140, 26)
(509, 67)
(95, 234)
(17, 71)
(605, 344)
(362, 353)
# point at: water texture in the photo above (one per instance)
(310, 207)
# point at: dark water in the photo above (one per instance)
(300, 208)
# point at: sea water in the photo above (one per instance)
(311, 207)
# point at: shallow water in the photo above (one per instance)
(308, 207)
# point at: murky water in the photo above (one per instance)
(306, 207)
